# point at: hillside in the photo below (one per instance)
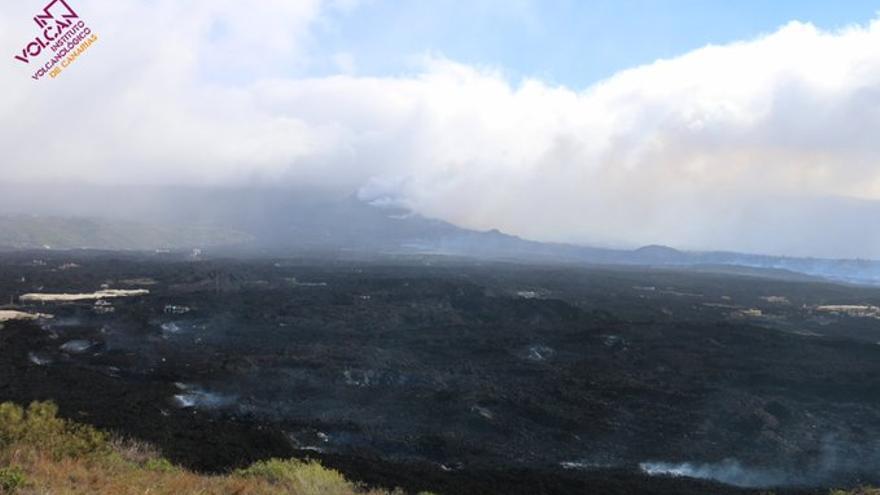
(42, 232)
(266, 221)
(42, 453)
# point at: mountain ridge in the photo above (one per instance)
(278, 221)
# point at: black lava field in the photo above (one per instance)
(455, 376)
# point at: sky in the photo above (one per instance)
(746, 126)
(570, 42)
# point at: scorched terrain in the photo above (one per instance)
(458, 376)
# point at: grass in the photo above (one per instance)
(41, 453)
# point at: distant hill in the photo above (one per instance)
(39, 232)
(280, 222)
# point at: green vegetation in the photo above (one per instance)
(39, 425)
(42, 453)
(11, 479)
(301, 477)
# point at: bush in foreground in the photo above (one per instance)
(11, 479)
(42, 453)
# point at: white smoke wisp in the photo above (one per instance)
(765, 145)
(728, 471)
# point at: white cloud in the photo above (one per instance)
(729, 146)
(345, 62)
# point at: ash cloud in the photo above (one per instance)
(765, 145)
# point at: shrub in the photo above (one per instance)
(40, 426)
(11, 479)
(11, 423)
(306, 477)
(132, 451)
(161, 465)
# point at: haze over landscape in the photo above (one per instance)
(757, 138)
